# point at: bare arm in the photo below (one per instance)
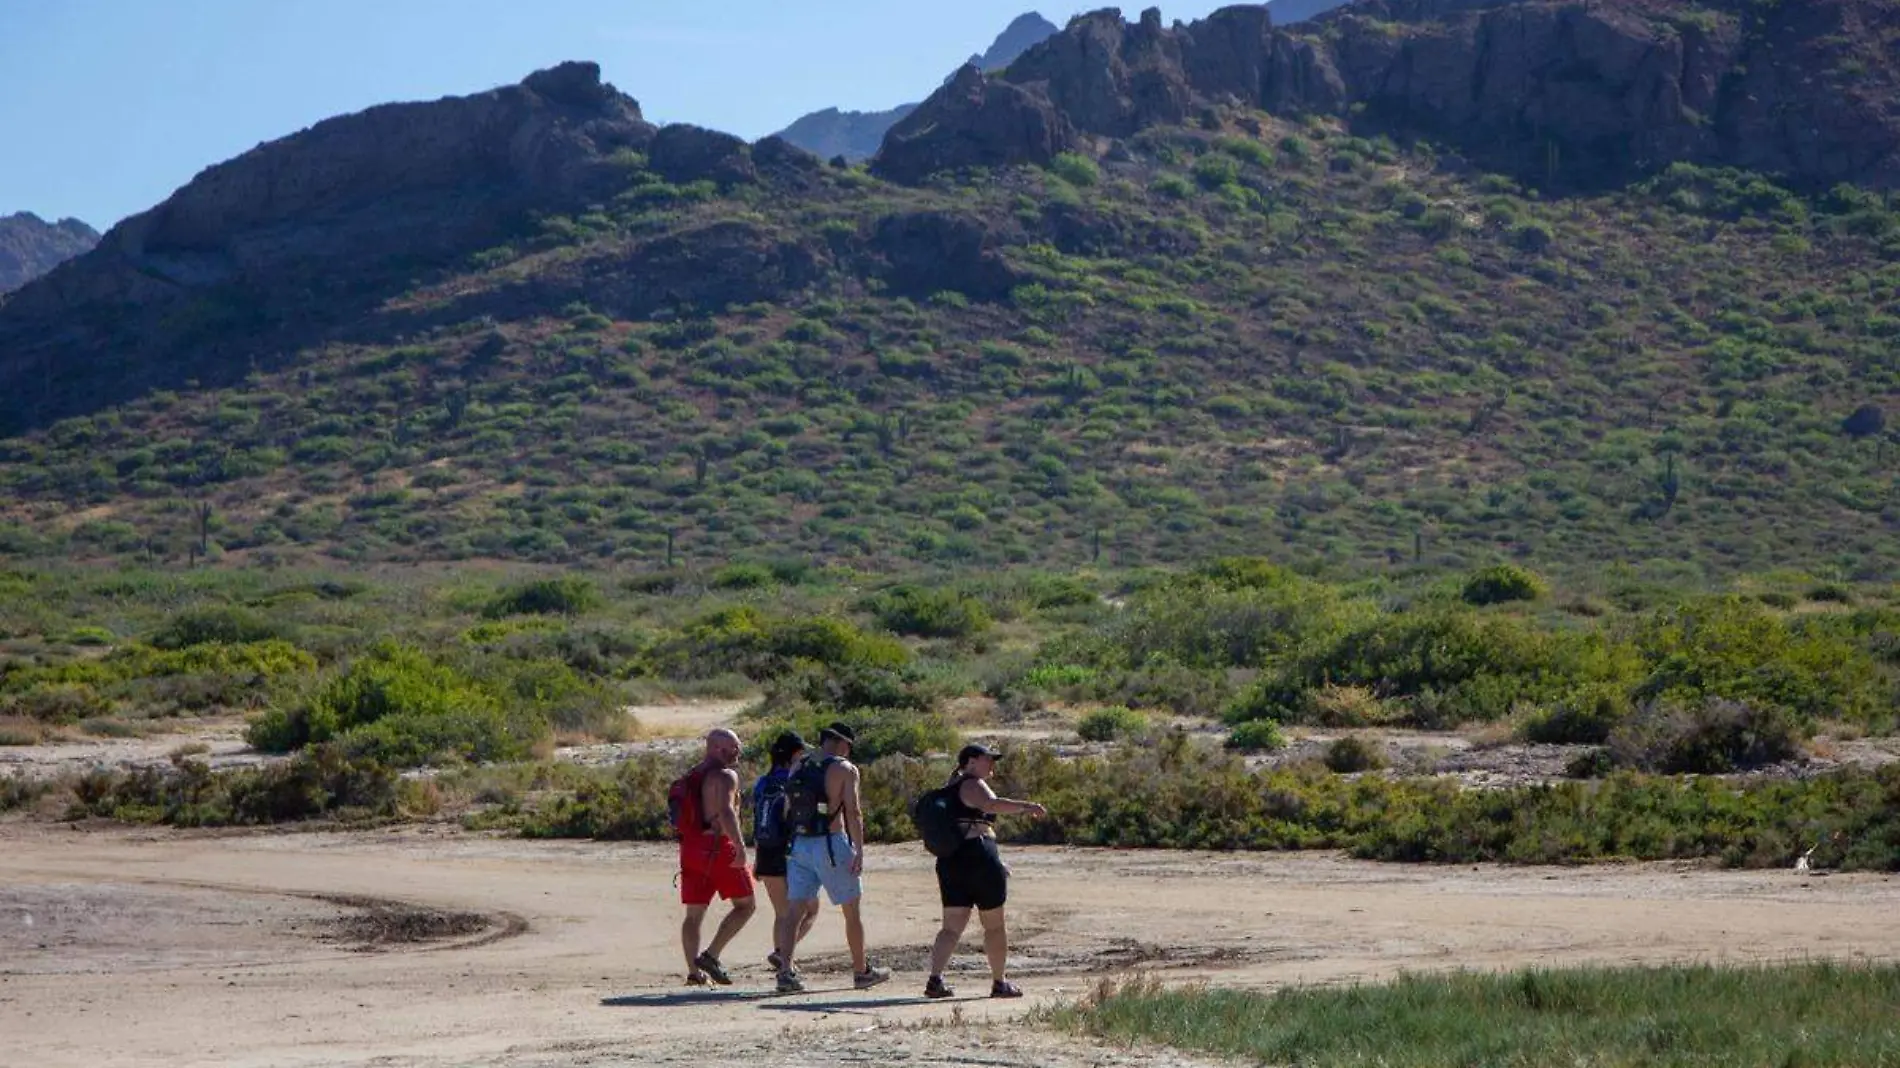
(977, 794)
(853, 808)
(723, 804)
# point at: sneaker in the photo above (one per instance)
(709, 964)
(1003, 988)
(935, 988)
(790, 983)
(870, 977)
(774, 961)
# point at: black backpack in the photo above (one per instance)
(934, 812)
(805, 798)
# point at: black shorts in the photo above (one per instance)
(973, 876)
(769, 862)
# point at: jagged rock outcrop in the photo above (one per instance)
(856, 135)
(30, 246)
(933, 251)
(684, 153)
(314, 228)
(400, 180)
(1564, 92)
(1288, 12)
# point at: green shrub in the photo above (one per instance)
(1257, 735)
(568, 596)
(89, 636)
(1354, 754)
(1501, 584)
(320, 782)
(882, 732)
(929, 613)
(1735, 649)
(1076, 169)
(220, 623)
(1108, 724)
(1585, 717)
(399, 706)
(744, 640)
(57, 703)
(743, 576)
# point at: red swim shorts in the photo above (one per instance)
(699, 884)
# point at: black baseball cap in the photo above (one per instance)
(973, 750)
(786, 744)
(839, 730)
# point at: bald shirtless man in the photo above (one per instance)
(713, 860)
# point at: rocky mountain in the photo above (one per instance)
(527, 324)
(1563, 93)
(1288, 12)
(856, 135)
(30, 246)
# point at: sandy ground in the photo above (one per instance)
(123, 947)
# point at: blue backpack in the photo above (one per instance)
(771, 829)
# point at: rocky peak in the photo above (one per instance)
(30, 246)
(856, 135)
(1022, 34)
(398, 180)
(1562, 92)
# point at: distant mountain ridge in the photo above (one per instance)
(856, 135)
(1561, 93)
(30, 246)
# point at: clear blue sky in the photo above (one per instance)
(106, 106)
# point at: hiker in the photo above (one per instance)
(712, 855)
(827, 822)
(771, 836)
(975, 877)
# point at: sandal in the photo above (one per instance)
(697, 979)
(936, 988)
(1003, 988)
(709, 964)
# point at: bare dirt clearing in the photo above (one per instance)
(197, 949)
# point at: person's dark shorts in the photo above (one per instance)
(973, 877)
(768, 862)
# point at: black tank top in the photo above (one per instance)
(965, 813)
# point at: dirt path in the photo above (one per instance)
(150, 948)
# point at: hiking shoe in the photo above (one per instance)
(870, 977)
(935, 988)
(790, 983)
(774, 961)
(1003, 988)
(709, 964)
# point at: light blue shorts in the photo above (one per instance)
(812, 865)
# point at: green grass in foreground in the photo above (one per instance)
(1802, 1014)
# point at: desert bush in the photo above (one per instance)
(1354, 754)
(1502, 584)
(1735, 649)
(746, 641)
(219, 623)
(1109, 724)
(398, 706)
(1712, 736)
(1076, 169)
(882, 732)
(1257, 735)
(320, 782)
(19, 730)
(929, 613)
(567, 596)
(56, 703)
(1452, 666)
(1585, 717)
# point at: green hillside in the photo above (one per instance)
(1262, 338)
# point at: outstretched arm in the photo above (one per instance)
(978, 795)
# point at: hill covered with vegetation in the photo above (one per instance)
(1244, 331)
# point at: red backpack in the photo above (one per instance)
(683, 799)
